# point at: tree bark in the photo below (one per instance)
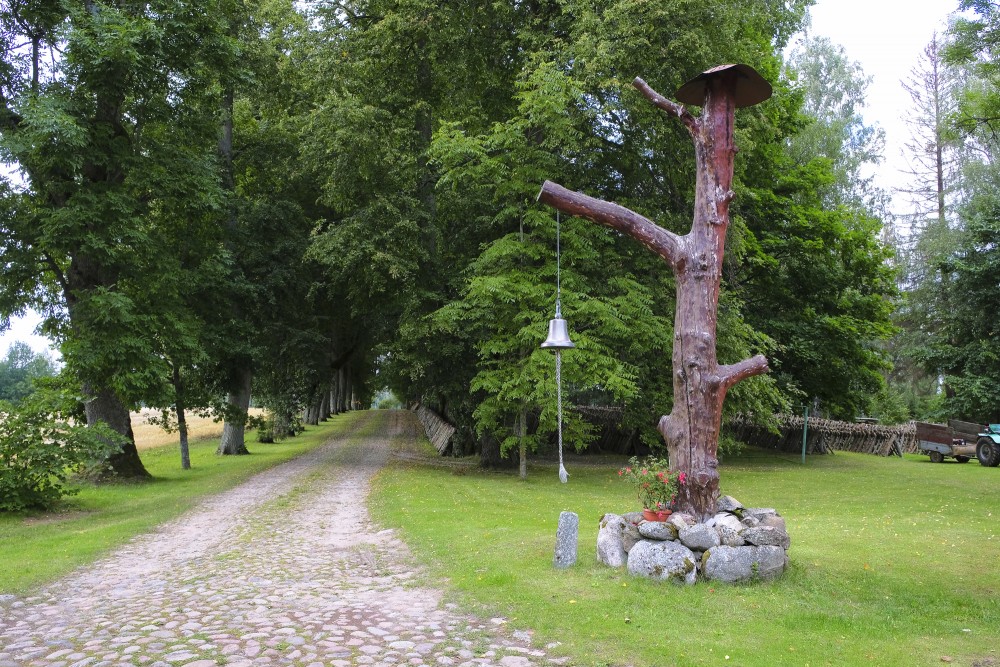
(234, 430)
(691, 430)
(182, 429)
(104, 406)
(522, 427)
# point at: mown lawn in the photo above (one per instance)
(38, 548)
(893, 563)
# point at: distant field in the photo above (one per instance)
(148, 436)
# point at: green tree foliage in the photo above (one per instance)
(42, 445)
(20, 368)
(107, 114)
(833, 92)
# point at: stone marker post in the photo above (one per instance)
(566, 539)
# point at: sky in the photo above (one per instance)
(885, 36)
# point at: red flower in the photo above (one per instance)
(682, 478)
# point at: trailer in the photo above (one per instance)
(939, 441)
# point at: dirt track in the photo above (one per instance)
(286, 569)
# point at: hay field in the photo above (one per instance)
(148, 435)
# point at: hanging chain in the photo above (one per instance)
(558, 271)
(563, 475)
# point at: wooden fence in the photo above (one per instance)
(438, 431)
(825, 435)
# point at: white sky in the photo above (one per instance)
(887, 37)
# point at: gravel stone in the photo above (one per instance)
(257, 577)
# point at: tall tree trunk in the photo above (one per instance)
(324, 405)
(179, 406)
(691, 430)
(522, 427)
(103, 405)
(234, 430)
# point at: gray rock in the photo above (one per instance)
(766, 536)
(566, 539)
(681, 520)
(658, 530)
(760, 512)
(724, 519)
(743, 564)
(610, 549)
(774, 521)
(664, 561)
(633, 517)
(729, 504)
(730, 537)
(630, 535)
(749, 521)
(699, 537)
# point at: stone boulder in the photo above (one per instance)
(762, 536)
(634, 517)
(724, 519)
(664, 561)
(699, 537)
(730, 537)
(610, 540)
(729, 504)
(658, 530)
(630, 535)
(743, 564)
(774, 521)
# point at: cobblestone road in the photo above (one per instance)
(285, 569)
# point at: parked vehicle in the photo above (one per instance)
(939, 441)
(988, 446)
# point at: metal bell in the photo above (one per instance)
(558, 336)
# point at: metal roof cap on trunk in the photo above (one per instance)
(751, 87)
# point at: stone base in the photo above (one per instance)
(737, 545)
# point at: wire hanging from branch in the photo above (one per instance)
(563, 475)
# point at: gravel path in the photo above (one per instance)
(286, 569)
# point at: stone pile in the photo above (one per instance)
(738, 544)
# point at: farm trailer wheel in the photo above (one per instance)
(936, 457)
(988, 453)
(962, 459)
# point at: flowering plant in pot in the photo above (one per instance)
(655, 483)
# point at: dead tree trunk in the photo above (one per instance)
(691, 430)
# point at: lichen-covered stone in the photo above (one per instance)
(658, 530)
(664, 561)
(566, 539)
(743, 564)
(630, 535)
(633, 517)
(729, 537)
(749, 521)
(699, 537)
(729, 504)
(766, 536)
(728, 520)
(760, 512)
(681, 520)
(610, 547)
(774, 521)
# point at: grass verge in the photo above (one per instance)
(39, 548)
(892, 563)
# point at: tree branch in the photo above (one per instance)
(669, 106)
(666, 244)
(734, 373)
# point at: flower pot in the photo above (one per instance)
(656, 515)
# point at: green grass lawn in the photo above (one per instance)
(38, 548)
(893, 562)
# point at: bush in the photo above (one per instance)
(41, 448)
